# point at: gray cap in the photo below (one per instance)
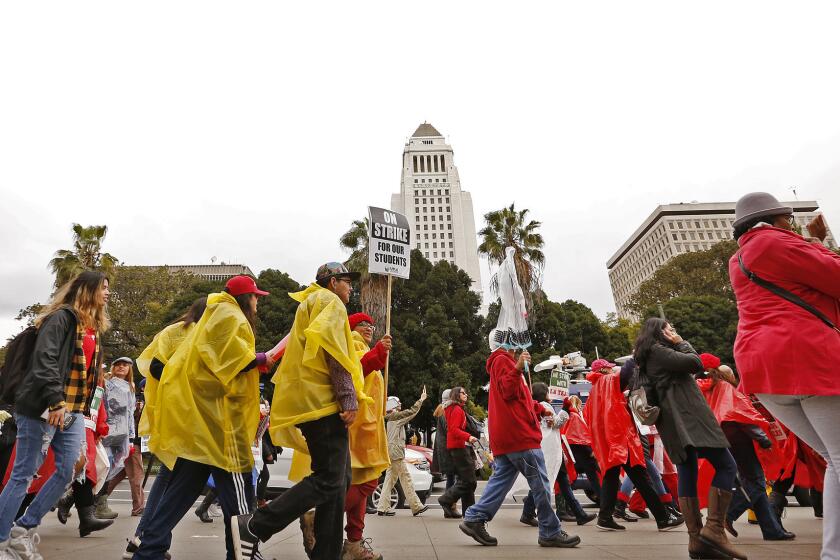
(125, 359)
(758, 205)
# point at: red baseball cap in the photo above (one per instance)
(239, 285)
(710, 361)
(357, 318)
(601, 363)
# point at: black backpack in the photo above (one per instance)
(18, 355)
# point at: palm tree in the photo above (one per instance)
(86, 254)
(509, 227)
(373, 293)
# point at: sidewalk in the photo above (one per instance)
(430, 536)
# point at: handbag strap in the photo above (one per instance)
(781, 292)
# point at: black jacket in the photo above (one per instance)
(441, 459)
(685, 418)
(43, 384)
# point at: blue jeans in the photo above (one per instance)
(531, 465)
(34, 438)
(655, 480)
(153, 501)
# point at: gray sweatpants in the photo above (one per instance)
(814, 420)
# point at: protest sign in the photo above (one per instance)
(389, 243)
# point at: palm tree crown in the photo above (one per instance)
(509, 227)
(86, 254)
(373, 288)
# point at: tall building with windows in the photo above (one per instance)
(431, 198)
(679, 228)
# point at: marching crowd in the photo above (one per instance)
(670, 431)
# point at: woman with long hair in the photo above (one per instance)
(457, 442)
(689, 432)
(208, 414)
(777, 337)
(58, 387)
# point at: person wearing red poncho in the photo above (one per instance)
(580, 443)
(797, 465)
(617, 446)
(742, 424)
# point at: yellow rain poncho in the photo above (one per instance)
(368, 440)
(302, 388)
(162, 347)
(212, 407)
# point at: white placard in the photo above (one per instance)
(389, 243)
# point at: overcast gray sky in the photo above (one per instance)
(256, 132)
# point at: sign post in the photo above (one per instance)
(389, 253)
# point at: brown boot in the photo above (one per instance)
(690, 508)
(307, 528)
(712, 533)
(359, 550)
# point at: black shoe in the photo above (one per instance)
(419, 511)
(561, 540)
(528, 520)
(202, 514)
(389, 513)
(609, 524)
(621, 513)
(245, 542)
(670, 522)
(449, 512)
(585, 518)
(478, 531)
(370, 510)
(640, 513)
(564, 515)
(88, 522)
(63, 507)
(785, 536)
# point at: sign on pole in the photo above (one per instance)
(558, 387)
(389, 245)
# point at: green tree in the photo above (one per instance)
(373, 288)
(709, 323)
(86, 254)
(276, 311)
(699, 273)
(509, 227)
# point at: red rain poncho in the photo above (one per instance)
(615, 440)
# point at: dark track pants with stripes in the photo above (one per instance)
(235, 490)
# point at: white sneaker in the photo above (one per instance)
(7, 553)
(23, 542)
(214, 510)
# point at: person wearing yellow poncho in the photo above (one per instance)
(206, 416)
(151, 363)
(317, 391)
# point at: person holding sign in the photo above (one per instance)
(318, 388)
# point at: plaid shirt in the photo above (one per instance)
(82, 376)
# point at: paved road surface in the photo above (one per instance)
(429, 536)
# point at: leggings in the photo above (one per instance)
(720, 458)
(638, 474)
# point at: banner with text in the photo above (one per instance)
(389, 245)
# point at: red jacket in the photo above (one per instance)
(456, 423)
(780, 347)
(615, 440)
(513, 414)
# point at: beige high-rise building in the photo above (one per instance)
(679, 228)
(431, 198)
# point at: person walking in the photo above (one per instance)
(742, 424)
(689, 432)
(515, 440)
(458, 445)
(150, 364)
(617, 446)
(126, 461)
(441, 458)
(778, 334)
(395, 420)
(58, 385)
(318, 388)
(579, 436)
(368, 439)
(210, 386)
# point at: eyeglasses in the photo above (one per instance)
(366, 325)
(790, 219)
(348, 280)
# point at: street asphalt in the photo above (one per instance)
(430, 536)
